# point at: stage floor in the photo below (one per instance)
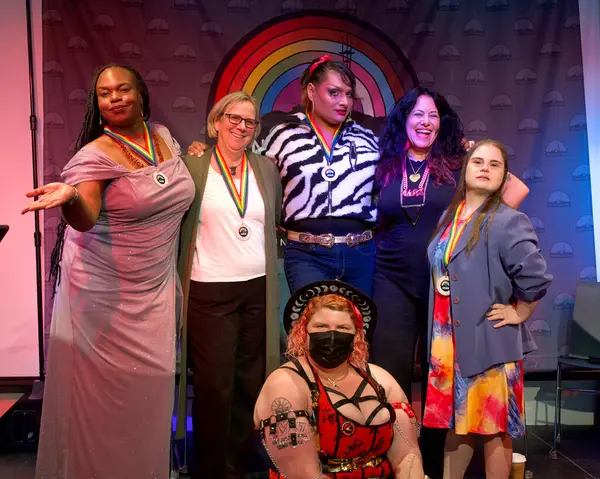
(579, 457)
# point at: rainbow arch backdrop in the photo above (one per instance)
(269, 61)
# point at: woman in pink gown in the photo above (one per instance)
(109, 389)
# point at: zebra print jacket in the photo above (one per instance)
(296, 150)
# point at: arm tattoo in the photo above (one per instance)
(281, 405)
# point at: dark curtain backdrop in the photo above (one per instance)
(512, 69)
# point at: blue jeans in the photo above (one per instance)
(305, 263)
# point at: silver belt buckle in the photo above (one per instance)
(355, 239)
(306, 238)
(352, 239)
(327, 240)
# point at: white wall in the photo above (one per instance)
(18, 300)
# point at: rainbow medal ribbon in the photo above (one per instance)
(442, 284)
(328, 172)
(147, 154)
(240, 198)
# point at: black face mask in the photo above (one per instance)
(329, 349)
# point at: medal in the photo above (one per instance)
(243, 233)
(442, 285)
(160, 179)
(415, 177)
(329, 174)
(239, 198)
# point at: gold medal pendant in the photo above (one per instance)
(415, 177)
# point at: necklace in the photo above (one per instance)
(456, 230)
(136, 162)
(146, 152)
(334, 382)
(416, 175)
(234, 168)
(419, 191)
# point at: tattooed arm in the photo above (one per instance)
(282, 414)
(404, 453)
(515, 191)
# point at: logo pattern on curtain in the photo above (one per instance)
(511, 69)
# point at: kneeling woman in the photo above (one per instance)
(328, 413)
(487, 277)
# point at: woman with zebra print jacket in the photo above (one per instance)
(327, 167)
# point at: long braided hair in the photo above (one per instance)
(92, 128)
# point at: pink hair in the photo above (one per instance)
(297, 343)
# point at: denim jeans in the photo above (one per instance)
(305, 263)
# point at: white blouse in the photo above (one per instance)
(220, 255)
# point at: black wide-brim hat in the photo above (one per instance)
(300, 299)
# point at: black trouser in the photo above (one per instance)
(226, 332)
(402, 321)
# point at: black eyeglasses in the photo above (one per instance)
(237, 119)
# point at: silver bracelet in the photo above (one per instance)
(75, 198)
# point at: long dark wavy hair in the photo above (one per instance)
(320, 72)
(92, 128)
(491, 204)
(446, 152)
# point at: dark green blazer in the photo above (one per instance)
(269, 184)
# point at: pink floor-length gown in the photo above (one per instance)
(109, 389)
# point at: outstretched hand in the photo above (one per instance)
(197, 148)
(50, 196)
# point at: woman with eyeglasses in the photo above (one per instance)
(227, 265)
(327, 164)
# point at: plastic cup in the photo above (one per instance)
(517, 469)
